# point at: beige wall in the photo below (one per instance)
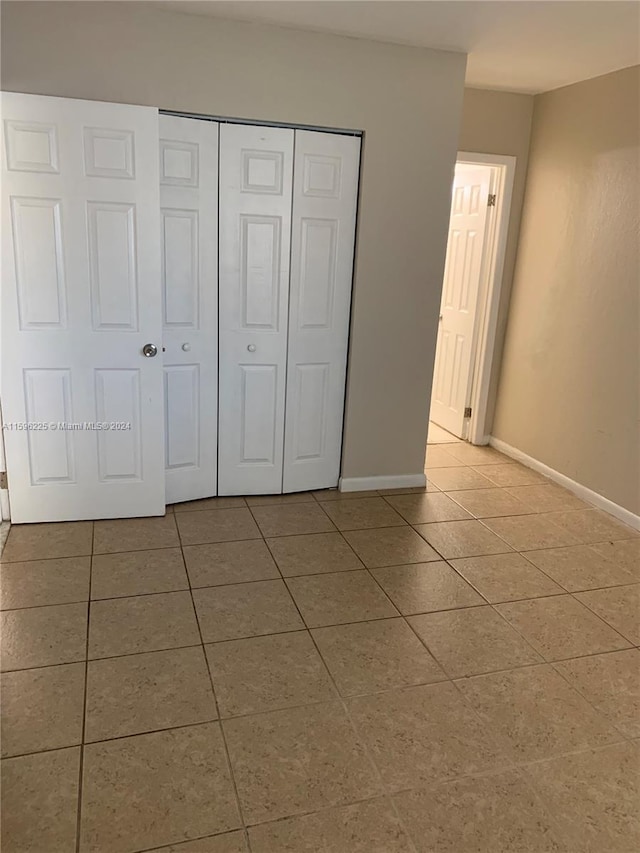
(408, 102)
(570, 383)
(500, 123)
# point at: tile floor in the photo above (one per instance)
(453, 669)
(4, 532)
(437, 435)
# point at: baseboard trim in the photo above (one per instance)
(5, 511)
(392, 481)
(578, 489)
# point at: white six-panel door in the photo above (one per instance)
(323, 230)
(80, 299)
(454, 350)
(255, 231)
(189, 247)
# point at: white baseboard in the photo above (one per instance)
(578, 489)
(5, 513)
(392, 481)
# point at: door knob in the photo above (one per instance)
(440, 317)
(149, 350)
(251, 347)
(186, 347)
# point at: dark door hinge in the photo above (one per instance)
(467, 412)
(491, 201)
(4, 484)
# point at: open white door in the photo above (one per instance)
(189, 243)
(80, 300)
(454, 352)
(324, 219)
(255, 234)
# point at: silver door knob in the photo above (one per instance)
(149, 350)
(186, 347)
(251, 347)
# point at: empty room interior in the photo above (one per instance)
(320, 407)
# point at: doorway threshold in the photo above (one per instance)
(438, 435)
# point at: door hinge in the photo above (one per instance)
(491, 200)
(467, 412)
(4, 483)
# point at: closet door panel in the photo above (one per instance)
(189, 255)
(255, 224)
(80, 299)
(323, 232)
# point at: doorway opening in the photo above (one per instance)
(478, 226)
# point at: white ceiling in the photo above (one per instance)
(516, 45)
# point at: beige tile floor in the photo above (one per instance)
(448, 669)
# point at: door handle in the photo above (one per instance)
(440, 318)
(186, 347)
(149, 350)
(251, 347)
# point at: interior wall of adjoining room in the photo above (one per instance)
(407, 101)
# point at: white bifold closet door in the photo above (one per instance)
(284, 333)
(189, 255)
(126, 362)
(256, 166)
(325, 192)
(80, 300)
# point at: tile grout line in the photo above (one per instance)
(622, 738)
(562, 589)
(598, 616)
(586, 607)
(263, 535)
(613, 725)
(631, 647)
(628, 582)
(118, 737)
(172, 845)
(519, 767)
(321, 810)
(215, 698)
(405, 523)
(523, 554)
(84, 701)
